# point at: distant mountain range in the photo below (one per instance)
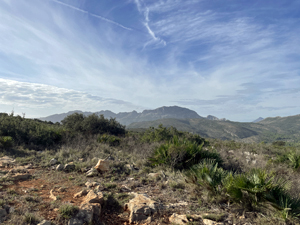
(269, 129)
(127, 118)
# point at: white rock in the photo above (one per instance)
(53, 161)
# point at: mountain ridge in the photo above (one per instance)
(126, 118)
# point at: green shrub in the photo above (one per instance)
(294, 159)
(182, 154)
(254, 188)
(30, 219)
(207, 174)
(109, 139)
(68, 210)
(6, 142)
(92, 124)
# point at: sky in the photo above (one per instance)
(234, 59)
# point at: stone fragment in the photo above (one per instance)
(6, 161)
(102, 165)
(61, 189)
(176, 205)
(45, 222)
(141, 208)
(80, 194)
(154, 175)
(131, 167)
(91, 184)
(53, 161)
(178, 219)
(211, 222)
(52, 196)
(92, 172)
(124, 188)
(59, 167)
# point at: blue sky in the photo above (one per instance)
(236, 59)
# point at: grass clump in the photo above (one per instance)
(30, 218)
(67, 211)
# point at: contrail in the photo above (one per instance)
(94, 15)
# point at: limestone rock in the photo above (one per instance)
(69, 167)
(141, 208)
(210, 222)
(92, 197)
(45, 222)
(53, 161)
(102, 165)
(178, 219)
(176, 205)
(92, 172)
(18, 176)
(6, 161)
(87, 211)
(59, 167)
(154, 175)
(80, 194)
(131, 167)
(52, 196)
(91, 184)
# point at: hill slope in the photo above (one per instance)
(269, 130)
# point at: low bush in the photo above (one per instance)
(207, 174)
(111, 140)
(6, 142)
(182, 154)
(68, 210)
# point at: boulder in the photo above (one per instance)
(87, 211)
(102, 165)
(178, 219)
(141, 209)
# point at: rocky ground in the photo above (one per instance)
(111, 192)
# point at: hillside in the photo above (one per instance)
(269, 130)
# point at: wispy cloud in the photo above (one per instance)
(156, 41)
(235, 61)
(94, 15)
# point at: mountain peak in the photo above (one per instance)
(258, 120)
